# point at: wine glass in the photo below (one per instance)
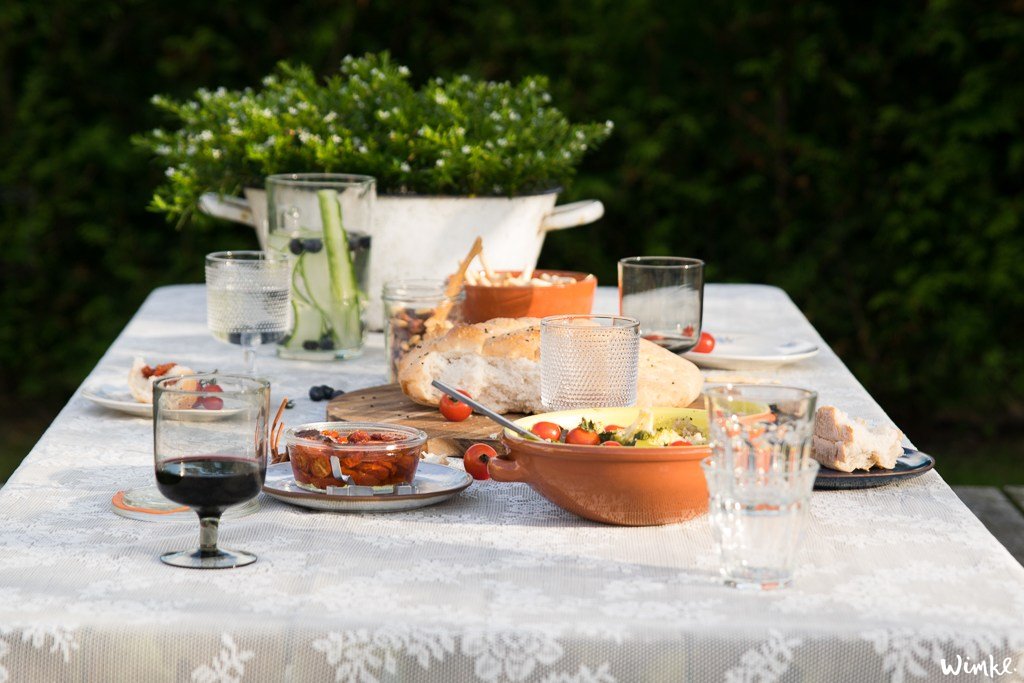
(247, 299)
(210, 465)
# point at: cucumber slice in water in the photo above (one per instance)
(344, 288)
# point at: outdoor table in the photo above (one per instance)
(494, 584)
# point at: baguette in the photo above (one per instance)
(845, 444)
(498, 363)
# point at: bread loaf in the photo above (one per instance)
(845, 444)
(498, 363)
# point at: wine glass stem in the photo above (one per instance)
(250, 340)
(208, 527)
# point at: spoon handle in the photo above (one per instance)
(485, 411)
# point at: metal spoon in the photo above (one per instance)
(485, 411)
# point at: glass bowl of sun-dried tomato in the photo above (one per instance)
(361, 453)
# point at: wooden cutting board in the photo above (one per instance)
(387, 403)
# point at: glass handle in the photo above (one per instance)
(288, 218)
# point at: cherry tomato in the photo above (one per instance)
(612, 443)
(455, 411)
(612, 428)
(680, 443)
(706, 343)
(548, 431)
(688, 331)
(582, 437)
(475, 460)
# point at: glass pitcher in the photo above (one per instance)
(323, 221)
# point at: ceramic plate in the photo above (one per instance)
(433, 484)
(747, 351)
(909, 465)
(122, 401)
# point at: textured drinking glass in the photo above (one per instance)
(588, 361)
(323, 221)
(210, 465)
(247, 296)
(760, 477)
(666, 294)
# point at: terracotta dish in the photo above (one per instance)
(487, 302)
(626, 486)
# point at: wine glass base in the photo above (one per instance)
(194, 559)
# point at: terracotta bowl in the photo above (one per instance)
(626, 486)
(483, 303)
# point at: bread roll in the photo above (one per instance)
(498, 363)
(141, 386)
(844, 444)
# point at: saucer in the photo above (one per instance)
(432, 484)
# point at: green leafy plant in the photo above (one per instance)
(460, 136)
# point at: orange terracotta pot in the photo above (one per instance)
(484, 303)
(625, 486)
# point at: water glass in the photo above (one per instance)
(666, 294)
(588, 361)
(247, 297)
(210, 464)
(760, 477)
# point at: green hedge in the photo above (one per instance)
(868, 159)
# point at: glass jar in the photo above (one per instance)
(409, 314)
(323, 221)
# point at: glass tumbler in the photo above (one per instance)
(410, 308)
(323, 221)
(588, 361)
(760, 477)
(666, 294)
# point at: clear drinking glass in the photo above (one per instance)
(408, 306)
(324, 221)
(247, 296)
(760, 477)
(666, 294)
(210, 465)
(588, 361)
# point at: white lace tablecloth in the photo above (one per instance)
(496, 584)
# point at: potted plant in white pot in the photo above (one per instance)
(454, 159)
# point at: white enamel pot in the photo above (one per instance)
(425, 236)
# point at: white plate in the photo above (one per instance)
(748, 351)
(432, 484)
(121, 400)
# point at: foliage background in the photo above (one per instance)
(866, 157)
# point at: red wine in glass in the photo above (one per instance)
(209, 484)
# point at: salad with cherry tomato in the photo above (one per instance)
(643, 433)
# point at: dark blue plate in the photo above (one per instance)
(909, 465)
